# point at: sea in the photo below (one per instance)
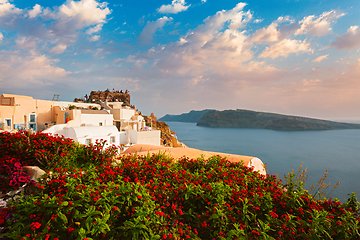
(337, 151)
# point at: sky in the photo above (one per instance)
(297, 57)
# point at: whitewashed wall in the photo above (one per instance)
(145, 137)
(81, 134)
(124, 137)
(95, 119)
(127, 114)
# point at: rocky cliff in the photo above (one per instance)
(168, 138)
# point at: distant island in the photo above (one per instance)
(192, 116)
(241, 118)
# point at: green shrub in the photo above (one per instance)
(155, 197)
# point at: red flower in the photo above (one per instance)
(35, 225)
(23, 179)
(273, 214)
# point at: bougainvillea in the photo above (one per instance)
(11, 174)
(156, 197)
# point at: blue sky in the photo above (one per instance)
(299, 57)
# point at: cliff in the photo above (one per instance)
(251, 119)
(192, 116)
(168, 138)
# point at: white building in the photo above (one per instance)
(87, 134)
(116, 124)
(145, 137)
(125, 118)
(82, 122)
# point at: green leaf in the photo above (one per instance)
(82, 233)
(62, 217)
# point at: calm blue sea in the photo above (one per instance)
(335, 150)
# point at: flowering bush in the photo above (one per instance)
(154, 197)
(11, 175)
(48, 152)
(37, 149)
(45, 151)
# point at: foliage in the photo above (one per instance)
(296, 182)
(155, 197)
(49, 152)
(71, 107)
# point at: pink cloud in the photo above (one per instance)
(349, 40)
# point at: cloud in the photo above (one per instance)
(84, 13)
(95, 29)
(7, 9)
(335, 88)
(284, 48)
(151, 27)
(211, 62)
(28, 69)
(75, 15)
(320, 58)
(215, 59)
(215, 44)
(175, 7)
(235, 18)
(47, 26)
(203, 1)
(28, 43)
(95, 38)
(60, 48)
(318, 26)
(35, 11)
(285, 27)
(271, 33)
(349, 40)
(1, 36)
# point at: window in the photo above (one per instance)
(118, 125)
(66, 117)
(88, 141)
(8, 123)
(32, 117)
(6, 101)
(100, 123)
(32, 126)
(112, 139)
